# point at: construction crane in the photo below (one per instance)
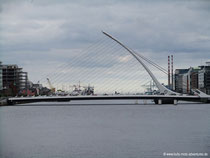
(149, 87)
(50, 85)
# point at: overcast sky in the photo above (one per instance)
(40, 35)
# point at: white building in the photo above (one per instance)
(1, 77)
(204, 78)
(201, 79)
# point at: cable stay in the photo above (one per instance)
(162, 89)
(152, 63)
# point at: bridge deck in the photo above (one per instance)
(15, 100)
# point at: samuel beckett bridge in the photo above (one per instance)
(164, 95)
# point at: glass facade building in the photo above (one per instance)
(1, 77)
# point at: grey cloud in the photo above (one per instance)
(157, 28)
(38, 30)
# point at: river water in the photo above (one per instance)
(103, 131)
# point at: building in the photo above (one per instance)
(181, 80)
(193, 78)
(14, 79)
(204, 78)
(186, 80)
(1, 77)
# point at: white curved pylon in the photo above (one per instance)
(161, 88)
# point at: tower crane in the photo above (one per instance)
(50, 85)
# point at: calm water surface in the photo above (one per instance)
(103, 131)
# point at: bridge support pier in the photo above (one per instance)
(165, 101)
(9, 102)
(204, 100)
(136, 102)
(175, 101)
(159, 101)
